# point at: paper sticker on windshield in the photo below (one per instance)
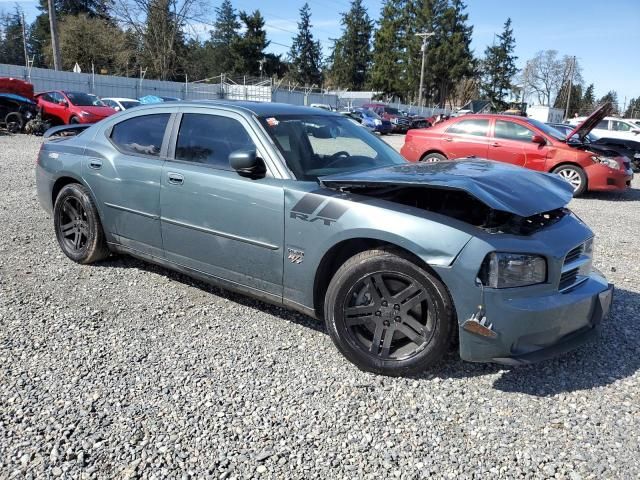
(272, 122)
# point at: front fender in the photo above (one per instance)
(317, 220)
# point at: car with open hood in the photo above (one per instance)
(305, 208)
(67, 107)
(524, 142)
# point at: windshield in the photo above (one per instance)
(550, 131)
(129, 103)
(392, 111)
(80, 99)
(318, 145)
(370, 113)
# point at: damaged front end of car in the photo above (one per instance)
(523, 286)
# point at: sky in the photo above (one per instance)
(604, 36)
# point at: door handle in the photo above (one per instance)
(495, 144)
(175, 178)
(95, 164)
(448, 139)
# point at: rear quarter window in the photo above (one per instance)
(141, 135)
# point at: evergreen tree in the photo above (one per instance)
(11, 39)
(163, 41)
(223, 36)
(499, 68)
(611, 97)
(388, 68)
(587, 103)
(248, 50)
(633, 110)
(575, 101)
(351, 57)
(305, 54)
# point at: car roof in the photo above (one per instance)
(487, 116)
(260, 109)
(120, 99)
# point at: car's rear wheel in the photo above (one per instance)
(433, 157)
(575, 176)
(77, 225)
(388, 315)
(14, 122)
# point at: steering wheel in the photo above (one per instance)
(336, 157)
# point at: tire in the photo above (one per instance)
(433, 157)
(74, 121)
(77, 225)
(14, 122)
(387, 315)
(575, 176)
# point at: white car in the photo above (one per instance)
(613, 127)
(120, 104)
(633, 120)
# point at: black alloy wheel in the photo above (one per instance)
(73, 224)
(387, 315)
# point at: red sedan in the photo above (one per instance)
(524, 142)
(63, 107)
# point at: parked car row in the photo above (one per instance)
(525, 142)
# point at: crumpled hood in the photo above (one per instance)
(500, 186)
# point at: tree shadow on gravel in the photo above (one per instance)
(630, 195)
(125, 261)
(614, 355)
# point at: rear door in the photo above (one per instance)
(214, 220)
(511, 143)
(124, 171)
(465, 138)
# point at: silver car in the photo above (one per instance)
(302, 207)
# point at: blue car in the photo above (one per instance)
(371, 120)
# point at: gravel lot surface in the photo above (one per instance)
(127, 370)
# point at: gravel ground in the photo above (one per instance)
(127, 370)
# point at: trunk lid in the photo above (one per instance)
(500, 186)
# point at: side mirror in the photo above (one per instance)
(247, 163)
(539, 139)
(63, 103)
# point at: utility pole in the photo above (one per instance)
(24, 41)
(55, 45)
(424, 36)
(572, 67)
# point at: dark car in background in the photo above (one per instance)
(399, 122)
(16, 111)
(370, 120)
(65, 107)
(623, 146)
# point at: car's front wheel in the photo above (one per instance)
(575, 176)
(77, 225)
(388, 315)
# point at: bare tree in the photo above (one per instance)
(545, 74)
(159, 27)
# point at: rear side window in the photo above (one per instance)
(209, 139)
(476, 127)
(512, 131)
(141, 135)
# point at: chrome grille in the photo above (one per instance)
(574, 254)
(568, 278)
(576, 266)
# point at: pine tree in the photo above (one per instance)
(223, 36)
(11, 40)
(163, 41)
(248, 50)
(351, 57)
(633, 110)
(611, 97)
(305, 54)
(387, 70)
(499, 67)
(587, 103)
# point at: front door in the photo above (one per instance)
(511, 143)
(214, 220)
(124, 172)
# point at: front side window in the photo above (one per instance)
(603, 125)
(209, 139)
(470, 127)
(620, 126)
(317, 145)
(80, 99)
(512, 131)
(141, 135)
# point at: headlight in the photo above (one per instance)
(636, 155)
(377, 121)
(506, 270)
(609, 162)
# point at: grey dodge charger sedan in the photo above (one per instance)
(307, 209)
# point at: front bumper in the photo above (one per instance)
(533, 328)
(602, 178)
